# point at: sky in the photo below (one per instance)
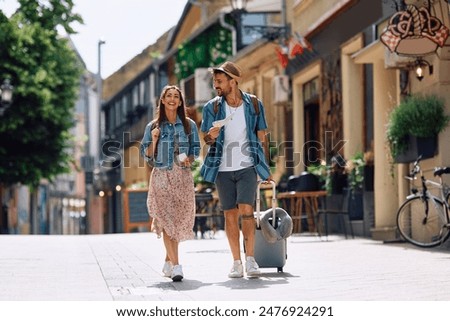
(126, 26)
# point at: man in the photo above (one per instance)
(234, 125)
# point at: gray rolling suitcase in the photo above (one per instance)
(268, 254)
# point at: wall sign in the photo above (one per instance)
(415, 31)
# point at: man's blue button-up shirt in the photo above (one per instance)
(254, 121)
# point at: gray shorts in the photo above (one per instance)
(237, 187)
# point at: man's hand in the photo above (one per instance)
(212, 135)
(270, 179)
(214, 132)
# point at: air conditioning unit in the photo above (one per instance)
(197, 88)
(187, 87)
(203, 86)
(280, 89)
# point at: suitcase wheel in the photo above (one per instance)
(280, 269)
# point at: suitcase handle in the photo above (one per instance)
(258, 201)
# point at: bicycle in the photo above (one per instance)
(423, 219)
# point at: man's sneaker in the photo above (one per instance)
(177, 273)
(237, 271)
(167, 269)
(251, 267)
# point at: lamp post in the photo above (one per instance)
(100, 93)
(270, 32)
(239, 8)
(6, 92)
(101, 123)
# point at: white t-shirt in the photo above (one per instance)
(235, 151)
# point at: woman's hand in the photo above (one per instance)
(155, 134)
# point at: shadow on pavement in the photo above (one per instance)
(264, 281)
(185, 285)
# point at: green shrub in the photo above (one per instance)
(417, 115)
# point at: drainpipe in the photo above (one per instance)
(203, 8)
(226, 25)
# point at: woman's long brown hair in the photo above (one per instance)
(161, 113)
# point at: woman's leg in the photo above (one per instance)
(171, 248)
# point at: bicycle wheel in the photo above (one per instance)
(420, 222)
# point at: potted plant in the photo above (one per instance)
(369, 170)
(332, 177)
(418, 119)
(355, 171)
(322, 173)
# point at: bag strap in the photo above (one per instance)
(154, 125)
(254, 102)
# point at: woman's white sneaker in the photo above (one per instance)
(167, 269)
(177, 273)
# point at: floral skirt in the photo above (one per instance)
(171, 202)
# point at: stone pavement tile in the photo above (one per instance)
(49, 268)
(127, 267)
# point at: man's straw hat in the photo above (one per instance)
(231, 69)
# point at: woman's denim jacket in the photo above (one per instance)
(254, 121)
(172, 141)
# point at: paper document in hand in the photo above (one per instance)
(222, 122)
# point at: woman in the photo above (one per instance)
(170, 145)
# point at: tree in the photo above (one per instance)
(35, 135)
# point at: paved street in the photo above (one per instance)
(126, 267)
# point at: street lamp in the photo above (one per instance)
(238, 5)
(100, 43)
(6, 92)
(270, 32)
(419, 65)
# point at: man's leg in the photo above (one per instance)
(233, 236)
(248, 227)
(246, 187)
(248, 230)
(232, 231)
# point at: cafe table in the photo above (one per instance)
(302, 205)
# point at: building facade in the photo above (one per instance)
(331, 98)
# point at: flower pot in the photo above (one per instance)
(369, 171)
(338, 183)
(356, 206)
(425, 146)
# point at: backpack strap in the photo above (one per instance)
(255, 103)
(216, 105)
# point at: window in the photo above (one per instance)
(118, 111)
(135, 96)
(310, 90)
(142, 101)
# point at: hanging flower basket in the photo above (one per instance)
(413, 127)
(417, 146)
